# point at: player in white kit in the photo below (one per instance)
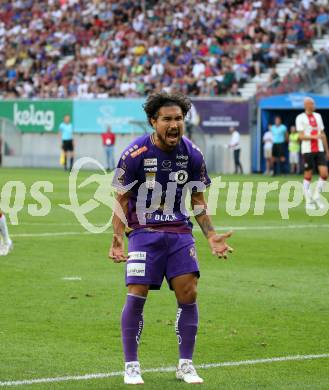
(315, 151)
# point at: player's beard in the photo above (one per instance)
(171, 138)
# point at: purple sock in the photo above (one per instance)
(186, 329)
(132, 325)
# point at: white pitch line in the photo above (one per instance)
(71, 278)
(47, 234)
(271, 227)
(50, 223)
(196, 228)
(164, 369)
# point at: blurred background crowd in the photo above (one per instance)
(100, 49)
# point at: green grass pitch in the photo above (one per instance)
(269, 300)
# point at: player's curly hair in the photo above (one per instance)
(157, 100)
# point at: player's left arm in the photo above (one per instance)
(325, 143)
(217, 242)
(323, 136)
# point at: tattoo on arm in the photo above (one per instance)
(199, 206)
(205, 224)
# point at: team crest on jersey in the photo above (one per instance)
(181, 177)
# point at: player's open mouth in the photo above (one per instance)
(173, 135)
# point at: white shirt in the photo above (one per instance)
(198, 69)
(268, 140)
(235, 140)
(310, 125)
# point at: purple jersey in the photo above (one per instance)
(162, 180)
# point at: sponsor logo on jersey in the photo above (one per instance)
(181, 177)
(150, 180)
(136, 269)
(151, 169)
(166, 165)
(182, 164)
(181, 157)
(165, 218)
(192, 252)
(136, 255)
(149, 162)
(138, 151)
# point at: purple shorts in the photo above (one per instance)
(155, 255)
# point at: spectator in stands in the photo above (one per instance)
(274, 79)
(279, 134)
(108, 140)
(234, 91)
(322, 21)
(112, 48)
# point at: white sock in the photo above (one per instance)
(307, 192)
(134, 362)
(182, 361)
(4, 229)
(319, 187)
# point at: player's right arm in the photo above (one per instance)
(123, 181)
(304, 137)
(117, 250)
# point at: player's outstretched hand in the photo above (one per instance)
(218, 244)
(117, 250)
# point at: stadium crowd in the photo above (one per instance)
(99, 49)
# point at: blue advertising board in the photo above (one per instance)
(123, 115)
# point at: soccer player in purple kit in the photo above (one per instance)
(160, 241)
